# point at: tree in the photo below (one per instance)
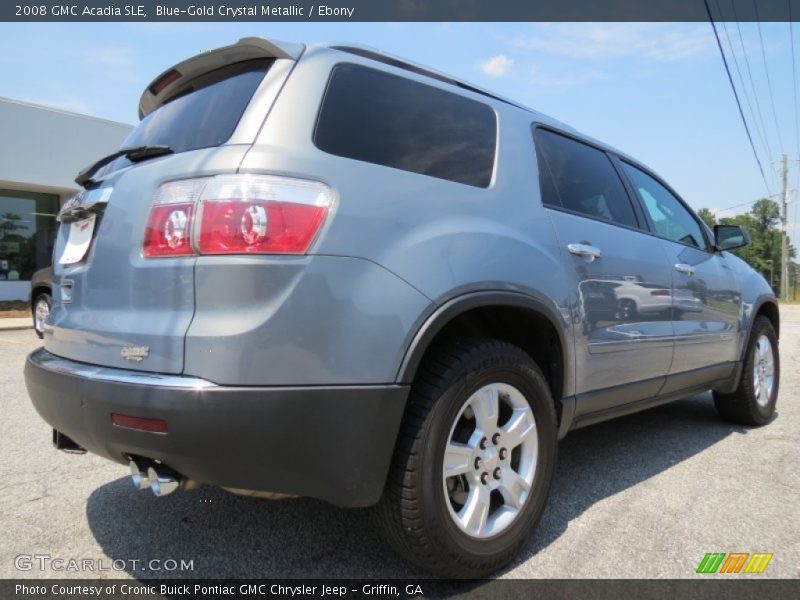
(767, 213)
(9, 223)
(764, 251)
(708, 217)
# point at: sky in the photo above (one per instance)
(657, 91)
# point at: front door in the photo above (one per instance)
(706, 301)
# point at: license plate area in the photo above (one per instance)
(79, 238)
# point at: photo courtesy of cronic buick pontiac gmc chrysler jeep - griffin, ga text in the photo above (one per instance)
(323, 271)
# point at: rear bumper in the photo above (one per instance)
(332, 443)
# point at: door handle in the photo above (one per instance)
(587, 251)
(685, 269)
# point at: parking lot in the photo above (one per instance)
(643, 496)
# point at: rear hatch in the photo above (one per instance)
(113, 307)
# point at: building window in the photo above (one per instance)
(27, 233)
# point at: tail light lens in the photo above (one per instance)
(169, 226)
(236, 214)
(254, 214)
(660, 293)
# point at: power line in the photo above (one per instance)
(794, 80)
(761, 134)
(766, 71)
(737, 206)
(757, 121)
(736, 94)
(727, 208)
(750, 78)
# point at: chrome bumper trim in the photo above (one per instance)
(50, 362)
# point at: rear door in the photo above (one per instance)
(113, 306)
(623, 342)
(705, 298)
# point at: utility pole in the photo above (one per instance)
(784, 238)
(771, 274)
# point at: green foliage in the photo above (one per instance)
(708, 217)
(9, 222)
(763, 223)
(767, 213)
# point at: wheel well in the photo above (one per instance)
(42, 289)
(770, 310)
(529, 330)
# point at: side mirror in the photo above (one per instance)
(728, 237)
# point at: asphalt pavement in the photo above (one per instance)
(643, 496)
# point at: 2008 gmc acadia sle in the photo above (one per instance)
(326, 272)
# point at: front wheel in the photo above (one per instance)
(474, 461)
(753, 402)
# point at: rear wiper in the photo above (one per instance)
(134, 154)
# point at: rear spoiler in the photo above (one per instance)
(170, 82)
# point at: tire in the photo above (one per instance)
(417, 516)
(39, 313)
(627, 310)
(753, 402)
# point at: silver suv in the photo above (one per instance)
(327, 272)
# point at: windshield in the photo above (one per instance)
(202, 115)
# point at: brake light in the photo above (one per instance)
(255, 214)
(170, 76)
(169, 226)
(659, 293)
(236, 214)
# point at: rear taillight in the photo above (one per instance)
(659, 293)
(236, 214)
(168, 231)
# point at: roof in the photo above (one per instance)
(62, 111)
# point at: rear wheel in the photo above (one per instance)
(753, 402)
(41, 310)
(474, 461)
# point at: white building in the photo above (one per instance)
(41, 151)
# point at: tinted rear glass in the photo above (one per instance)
(388, 120)
(581, 178)
(203, 114)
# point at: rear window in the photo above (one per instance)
(203, 114)
(580, 178)
(392, 121)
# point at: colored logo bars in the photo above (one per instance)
(734, 562)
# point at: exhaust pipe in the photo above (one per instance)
(162, 482)
(139, 475)
(62, 442)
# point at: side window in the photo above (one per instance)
(670, 218)
(393, 121)
(581, 178)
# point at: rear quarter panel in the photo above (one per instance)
(442, 238)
